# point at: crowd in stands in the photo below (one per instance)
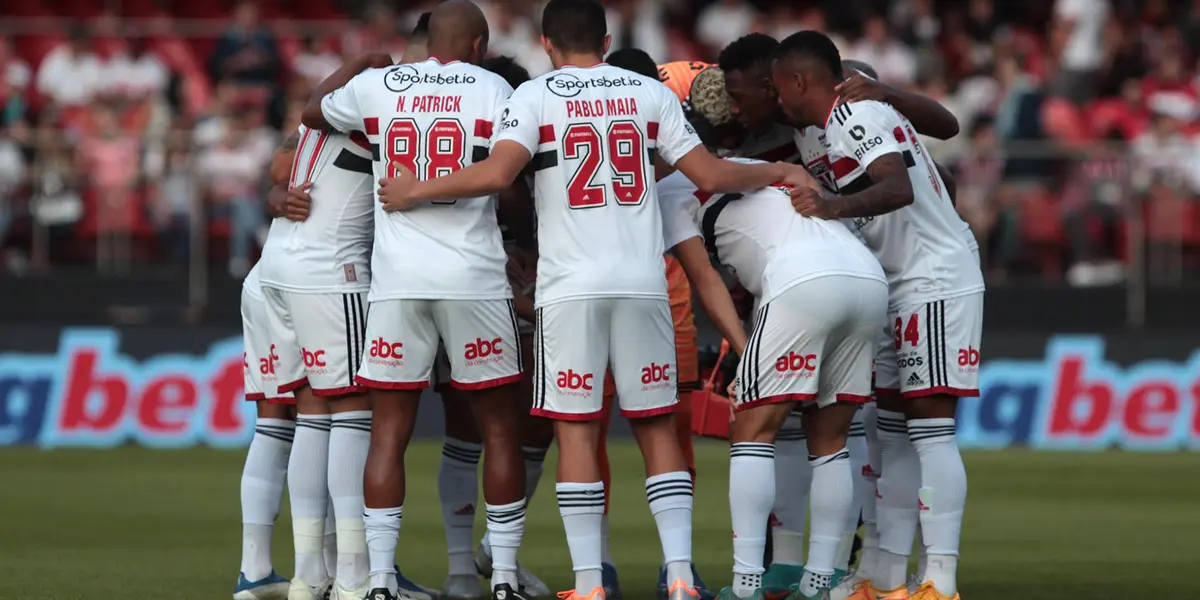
(129, 127)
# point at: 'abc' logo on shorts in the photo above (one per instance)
(382, 349)
(796, 362)
(968, 357)
(570, 380)
(656, 373)
(482, 348)
(313, 359)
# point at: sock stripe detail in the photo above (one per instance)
(857, 430)
(817, 461)
(283, 435)
(356, 424)
(534, 454)
(928, 432)
(888, 425)
(461, 453)
(581, 498)
(314, 423)
(752, 449)
(505, 516)
(668, 488)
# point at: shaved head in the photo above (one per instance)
(860, 66)
(458, 31)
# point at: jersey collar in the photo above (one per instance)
(599, 64)
(439, 61)
(829, 114)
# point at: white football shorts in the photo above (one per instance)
(480, 337)
(319, 340)
(574, 341)
(257, 362)
(815, 342)
(934, 349)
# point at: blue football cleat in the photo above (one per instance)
(612, 584)
(702, 589)
(413, 590)
(271, 587)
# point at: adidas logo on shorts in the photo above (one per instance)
(915, 379)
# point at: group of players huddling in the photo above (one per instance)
(418, 204)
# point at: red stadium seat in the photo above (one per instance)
(1042, 230)
(77, 9)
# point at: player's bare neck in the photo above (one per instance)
(582, 61)
(819, 106)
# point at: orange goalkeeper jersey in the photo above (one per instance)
(678, 76)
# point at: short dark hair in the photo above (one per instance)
(575, 25)
(861, 67)
(813, 46)
(748, 52)
(507, 68)
(422, 28)
(636, 60)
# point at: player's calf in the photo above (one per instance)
(393, 419)
(261, 494)
(831, 494)
(496, 416)
(308, 493)
(752, 490)
(458, 491)
(349, 442)
(669, 490)
(943, 492)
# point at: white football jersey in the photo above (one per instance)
(925, 248)
(330, 252)
(760, 238)
(434, 119)
(252, 284)
(592, 133)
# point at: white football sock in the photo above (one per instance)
(943, 494)
(870, 474)
(329, 545)
(383, 532)
(582, 508)
(606, 556)
(308, 492)
(458, 490)
(349, 442)
(535, 459)
(922, 555)
(792, 478)
(751, 493)
(897, 505)
(830, 498)
(671, 498)
(262, 491)
(505, 526)
(856, 443)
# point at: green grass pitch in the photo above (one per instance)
(134, 523)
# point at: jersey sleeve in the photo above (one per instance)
(500, 95)
(677, 203)
(518, 119)
(341, 107)
(676, 137)
(865, 131)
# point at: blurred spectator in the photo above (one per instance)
(12, 177)
(376, 31)
(110, 160)
(915, 22)
(234, 170)
(893, 60)
(316, 60)
(1093, 203)
(783, 20)
(174, 204)
(1078, 31)
(139, 72)
(14, 83)
(246, 53)
(639, 24)
(514, 34)
(1163, 153)
(724, 21)
(70, 74)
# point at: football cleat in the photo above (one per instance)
(380, 594)
(300, 590)
(271, 587)
(595, 594)
(463, 587)
(505, 592)
(412, 590)
(612, 584)
(779, 579)
(926, 591)
(796, 594)
(682, 591)
(727, 594)
(700, 587)
(863, 590)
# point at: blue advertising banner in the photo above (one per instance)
(1064, 395)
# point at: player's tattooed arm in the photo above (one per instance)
(312, 115)
(277, 200)
(714, 295)
(890, 191)
(517, 213)
(950, 181)
(281, 161)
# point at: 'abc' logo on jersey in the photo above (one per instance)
(380, 348)
(313, 359)
(571, 381)
(481, 349)
(797, 364)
